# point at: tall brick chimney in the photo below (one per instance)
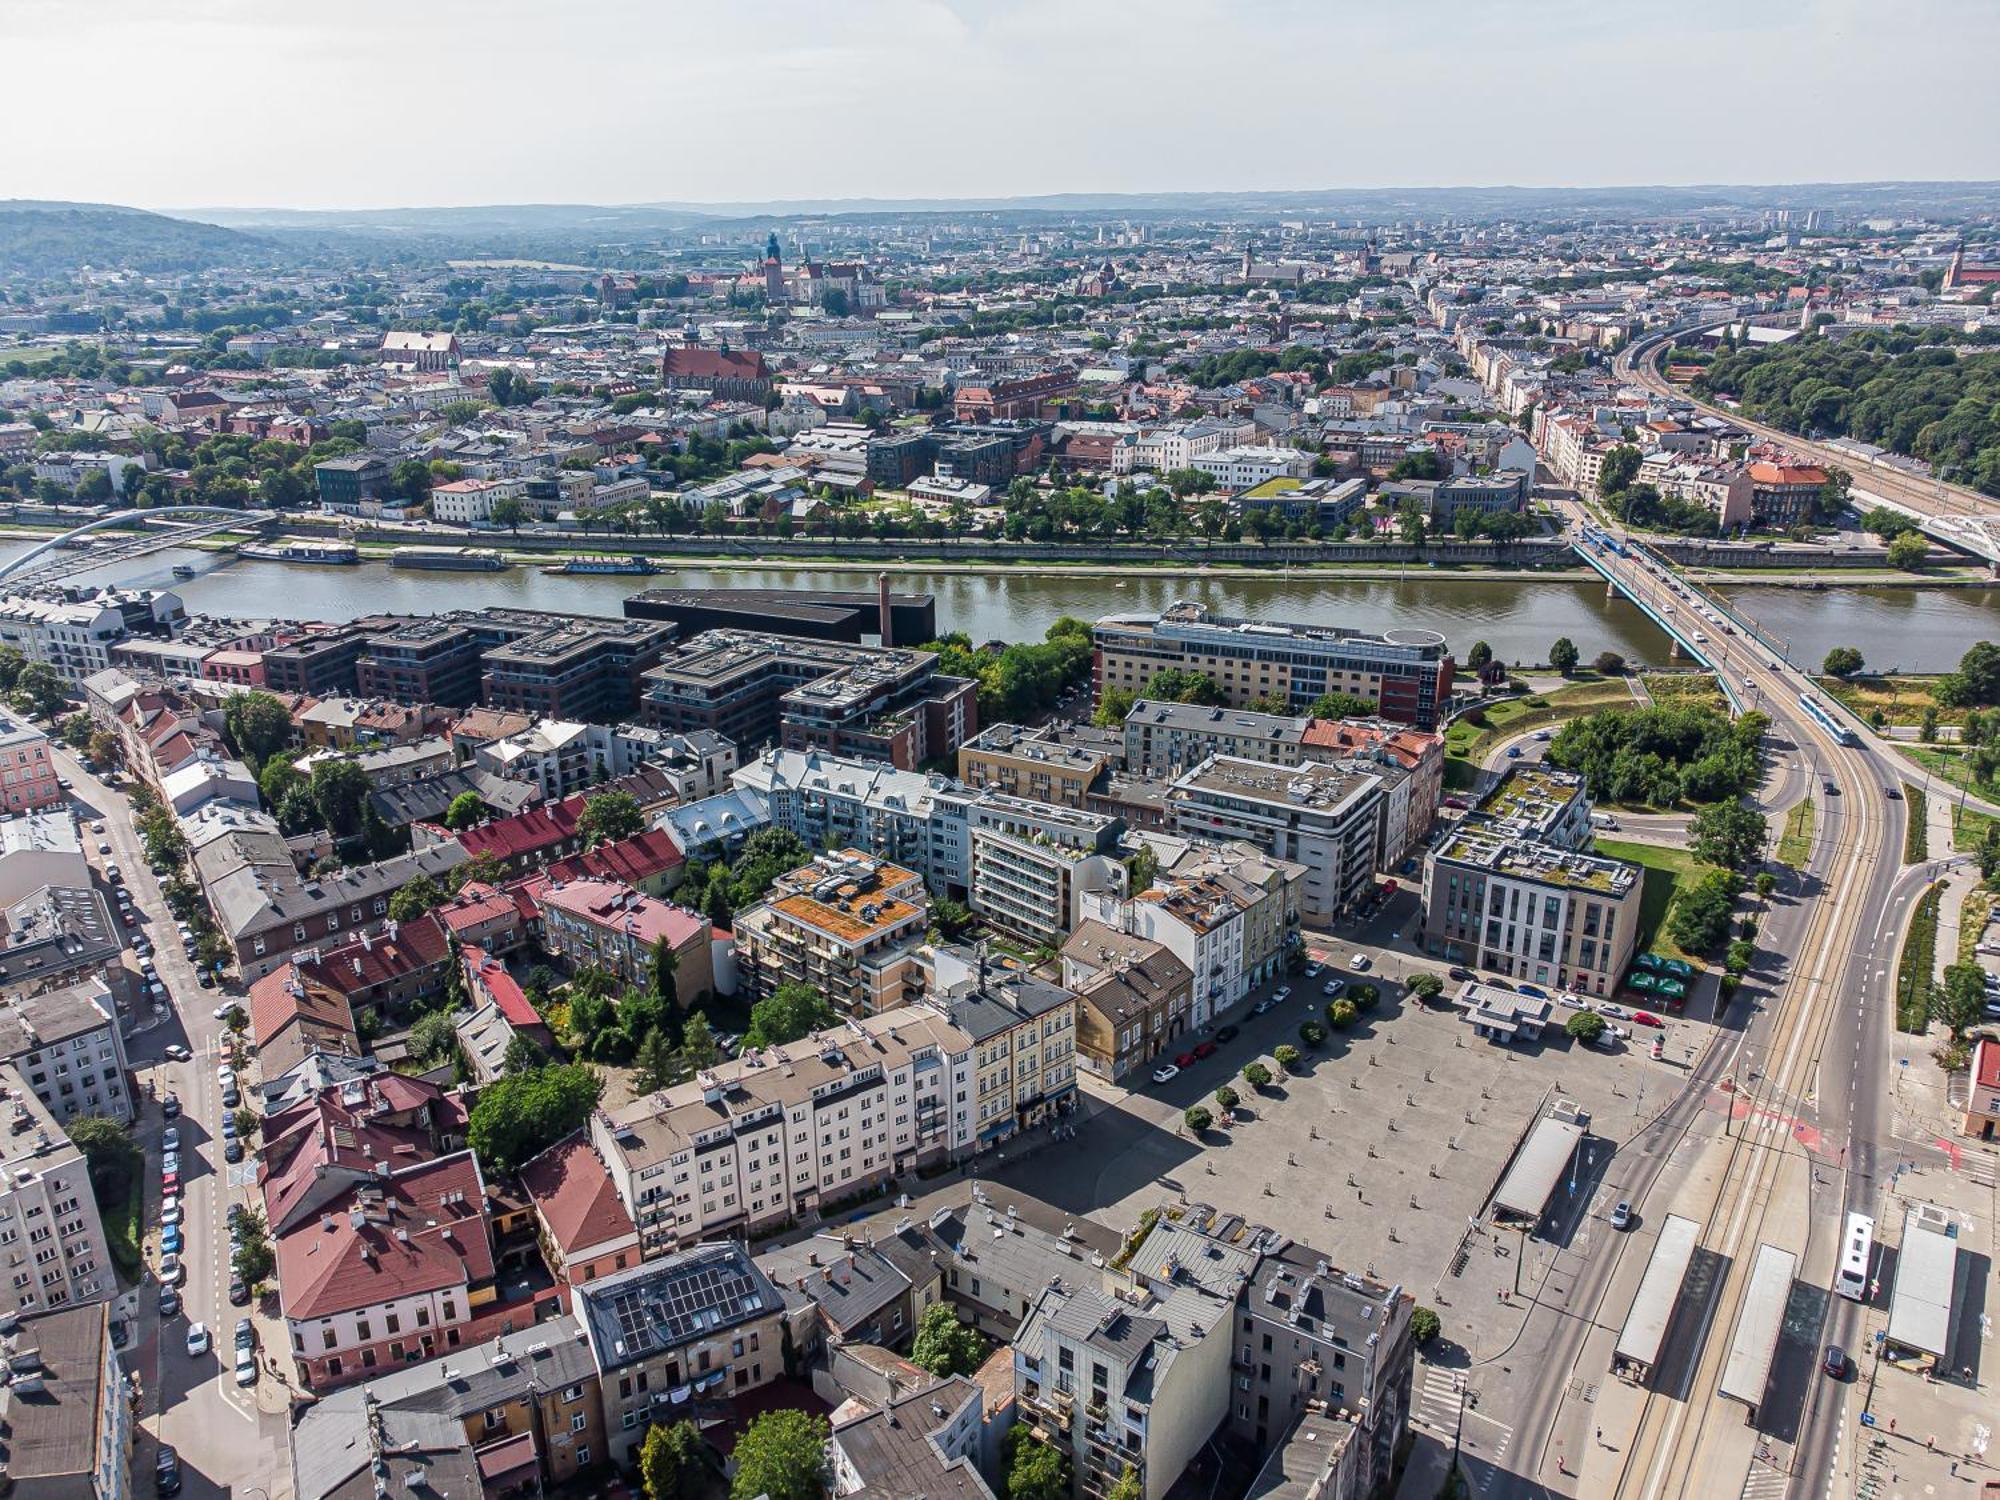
(882, 609)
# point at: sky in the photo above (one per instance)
(175, 104)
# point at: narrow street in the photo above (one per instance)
(227, 1444)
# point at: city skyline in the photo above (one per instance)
(446, 106)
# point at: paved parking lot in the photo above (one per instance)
(1385, 1144)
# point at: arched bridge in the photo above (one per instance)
(34, 569)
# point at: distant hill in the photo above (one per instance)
(44, 238)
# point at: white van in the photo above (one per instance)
(1603, 820)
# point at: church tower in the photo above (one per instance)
(774, 273)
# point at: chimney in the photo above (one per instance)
(882, 608)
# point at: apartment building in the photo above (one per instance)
(27, 770)
(582, 668)
(1135, 998)
(790, 1131)
(1165, 739)
(66, 1408)
(705, 1323)
(470, 502)
(562, 757)
(1023, 1032)
(1784, 495)
(1406, 673)
(53, 1252)
(1244, 468)
(584, 1230)
(1326, 818)
(846, 924)
(429, 660)
(1498, 897)
(391, 1269)
(607, 924)
(525, 1416)
(325, 661)
(866, 702)
(1411, 762)
(916, 820)
(1133, 1382)
(69, 1049)
(1032, 863)
(1042, 765)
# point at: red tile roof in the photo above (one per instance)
(1986, 1063)
(574, 1196)
(612, 906)
(291, 996)
(1768, 473)
(633, 861)
(489, 977)
(526, 833)
(423, 1230)
(712, 364)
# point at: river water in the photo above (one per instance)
(1918, 630)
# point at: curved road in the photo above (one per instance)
(1821, 1029)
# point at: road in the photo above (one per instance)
(226, 1444)
(1807, 1041)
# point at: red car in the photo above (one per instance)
(169, 1184)
(1204, 1049)
(1646, 1018)
(1185, 1060)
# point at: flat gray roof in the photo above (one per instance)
(1646, 1324)
(1757, 1326)
(1524, 1191)
(1926, 1273)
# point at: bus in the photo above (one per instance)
(1817, 712)
(1857, 1250)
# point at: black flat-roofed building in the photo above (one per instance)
(815, 614)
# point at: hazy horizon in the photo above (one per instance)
(225, 104)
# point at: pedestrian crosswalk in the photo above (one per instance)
(1438, 1396)
(1765, 1483)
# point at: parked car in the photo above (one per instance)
(170, 1239)
(1281, 994)
(170, 1139)
(1184, 1060)
(228, 1123)
(1204, 1049)
(1333, 986)
(177, 1053)
(1646, 1018)
(1227, 1033)
(170, 1106)
(197, 1340)
(1312, 971)
(172, 1272)
(169, 1183)
(239, 1292)
(170, 1302)
(1263, 1005)
(1458, 971)
(1361, 963)
(246, 1334)
(1166, 1073)
(231, 1097)
(232, 1150)
(222, 1011)
(1533, 991)
(1617, 1012)
(170, 1212)
(246, 1367)
(167, 1471)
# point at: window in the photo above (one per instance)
(582, 1455)
(579, 1421)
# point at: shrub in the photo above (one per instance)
(1585, 1026)
(1426, 986)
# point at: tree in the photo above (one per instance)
(1426, 985)
(1700, 920)
(698, 1045)
(782, 1456)
(1285, 1055)
(466, 810)
(254, 1259)
(608, 817)
(40, 691)
(1341, 1014)
(1126, 1486)
(1976, 683)
(411, 901)
(1479, 657)
(670, 1460)
(1564, 656)
(1226, 1098)
(434, 1039)
(944, 1345)
(1729, 834)
(1143, 868)
(279, 778)
(1364, 996)
(1608, 664)
(1341, 706)
(1584, 1025)
(1257, 1075)
(1908, 552)
(510, 511)
(662, 965)
(1113, 704)
(1312, 1034)
(1181, 685)
(1197, 1119)
(1961, 1001)
(340, 790)
(716, 906)
(103, 748)
(1841, 661)
(1424, 1325)
(516, 1117)
(786, 1014)
(1619, 469)
(522, 1055)
(258, 725)
(658, 1065)
(1034, 1470)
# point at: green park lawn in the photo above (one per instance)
(1668, 871)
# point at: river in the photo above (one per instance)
(1918, 630)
